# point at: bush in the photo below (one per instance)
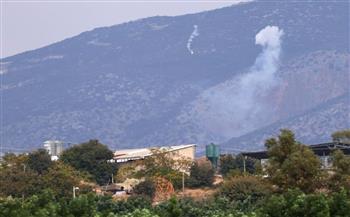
(296, 203)
(339, 204)
(39, 161)
(229, 163)
(245, 191)
(146, 188)
(201, 175)
(175, 177)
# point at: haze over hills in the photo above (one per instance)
(186, 79)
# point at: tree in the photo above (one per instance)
(16, 178)
(61, 178)
(339, 204)
(295, 203)
(91, 157)
(341, 162)
(227, 163)
(10, 159)
(201, 174)
(341, 167)
(245, 191)
(341, 136)
(84, 206)
(235, 164)
(39, 161)
(161, 163)
(165, 164)
(39, 205)
(146, 188)
(292, 165)
(126, 171)
(171, 208)
(42, 204)
(17, 182)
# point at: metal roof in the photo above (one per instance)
(141, 153)
(322, 149)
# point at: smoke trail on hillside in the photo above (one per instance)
(236, 106)
(194, 34)
(261, 76)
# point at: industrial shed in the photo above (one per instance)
(179, 151)
(322, 150)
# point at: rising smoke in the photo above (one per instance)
(235, 107)
(194, 34)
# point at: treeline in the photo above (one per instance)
(292, 203)
(83, 166)
(291, 184)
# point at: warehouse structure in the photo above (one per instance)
(180, 151)
(323, 151)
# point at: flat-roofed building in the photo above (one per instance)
(54, 148)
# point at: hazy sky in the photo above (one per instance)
(26, 25)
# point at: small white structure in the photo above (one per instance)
(54, 147)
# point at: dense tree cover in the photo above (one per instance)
(293, 203)
(19, 180)
(341, 136)
(341, 171)
(201, 175)
(91, 157)
(16, 179)
(25, 175)
(231, 164)
(291, 164)
(61, 178)
(39, 161)
(291, 188)
(296, 203)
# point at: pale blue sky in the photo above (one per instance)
(27, 25)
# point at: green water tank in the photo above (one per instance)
(212, 151)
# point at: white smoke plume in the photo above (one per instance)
(261, 76)
(236, 106)
(194, 34)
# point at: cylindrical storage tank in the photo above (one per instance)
(209, 150)
(212, 151)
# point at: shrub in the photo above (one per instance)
(296, 203)
(175, 177)
(339, 204)
(201, 175)
(229, 163)
(146, 188)
(245, 191)
(39, 161)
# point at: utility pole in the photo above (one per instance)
(74, 188)
(183, 182)
(244, 167)
(24, 171)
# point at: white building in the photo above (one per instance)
(54, 147)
